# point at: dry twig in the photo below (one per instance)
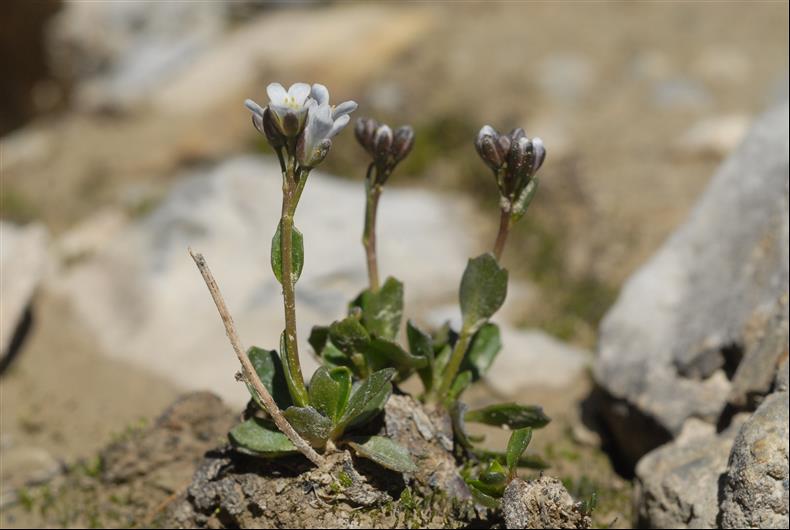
(247, 369)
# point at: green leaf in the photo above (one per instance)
(297, 253)
(421, 345)
(349, 335)
(367, 398)
(495, 477)
(516, 446)
(530, 461)
(381, 353)
(484, 348)
(483, 290)
(384, 451)
(318, 338)
(311, 425)
(329, 391)
(481, 497)
(257, 437)
(510, 415)
(298, 396)
(270, 371)
(524, 199)
(461, 383)
(440, 363)
(382, 311)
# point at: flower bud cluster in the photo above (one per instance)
(386, 148)
(514, 159)
(301, 120)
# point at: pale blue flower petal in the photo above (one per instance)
(320, 93)
(341, 122)
(300, 92)
(254, 107)
(276, 93)
(347, 107)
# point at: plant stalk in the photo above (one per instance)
(454, 364)
(373, 192)
(289, 294)
(501, 238)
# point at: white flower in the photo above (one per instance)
(289, 108)
(323, 123)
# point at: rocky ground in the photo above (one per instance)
(151, 151)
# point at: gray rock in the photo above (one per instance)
(780, 383)
(23, 260)
(677, 485)
(682, 321)
(542, 503)
(118, 52)
(755, 492)
(142, 296)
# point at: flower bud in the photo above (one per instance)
(517, 133)
(538, 155)
(382, 143)
(316, 156)
(402, 143)
(269, 128)
(364, 131)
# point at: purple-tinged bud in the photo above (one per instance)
(503, 144)
(269, 128)
(312, 159)
(487, 145)
(538, 154)
(364, 130)
(517, 133)
(382, 143)
(402, 143)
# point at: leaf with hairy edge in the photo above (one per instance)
(511, 415)
(519, 440)
(257, 437)
(349, 335)
(483, 290)
(297, 254)
(383, 451)
(484, 348)
(421, 345)
(299, 397)
(382, 310)
(367, 398)
(270, 371)
(329, 391)
(310, 424)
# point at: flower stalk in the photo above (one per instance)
(369, 234)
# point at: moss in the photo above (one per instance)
(345, 480)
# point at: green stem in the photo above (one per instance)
(455, 362)
(373, 192)
(289, 295)
(501, 238)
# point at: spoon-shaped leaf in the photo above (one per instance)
(349, 335)
(256, 436)
(329, 391)
(367, 398)
(269, 368)
(421, 345)
(382, 310)
(461, 383)
(297, 253)
(479, 496)
(519, 440)
(311, 425)
(483, 290)
(484, 348)
(298, 396)
(384, 451)
(530, 461)
(510, 415)
(381, 353)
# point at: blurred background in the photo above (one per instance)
(123, 140)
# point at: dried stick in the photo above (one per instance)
(247, 369)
